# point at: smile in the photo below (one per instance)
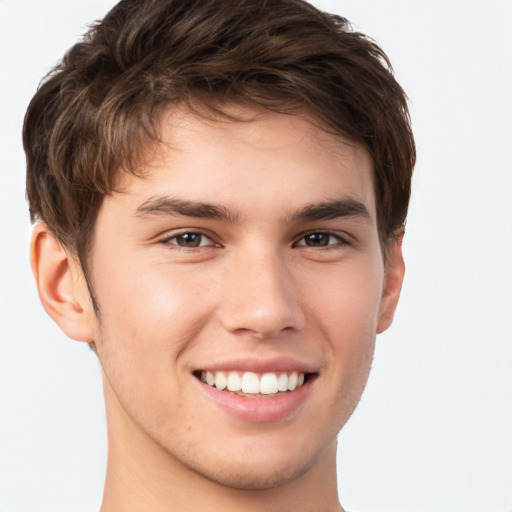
(252, 383)
(258, 391)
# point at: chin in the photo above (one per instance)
(248, 477)
(260, 470)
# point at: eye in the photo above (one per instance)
(321, 239)
(189, 240)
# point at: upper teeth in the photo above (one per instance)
(253, 383)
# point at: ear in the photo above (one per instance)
(61, 285)
(393, 279)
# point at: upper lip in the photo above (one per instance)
(261, 365)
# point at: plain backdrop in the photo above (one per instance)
(433, 431)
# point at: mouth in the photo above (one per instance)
(255, 385)
(258, 391)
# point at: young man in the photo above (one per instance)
(220, 189)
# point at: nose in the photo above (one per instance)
(260, 297)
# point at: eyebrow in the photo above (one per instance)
(168, 206)
(325, 210)
(333, 209)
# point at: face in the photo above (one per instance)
(246, 256)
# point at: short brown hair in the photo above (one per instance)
(98, 109)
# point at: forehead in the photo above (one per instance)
(250, 154)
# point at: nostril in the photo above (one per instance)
(261, 308)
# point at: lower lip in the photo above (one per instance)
(259, 409)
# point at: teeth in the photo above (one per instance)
(253, 383)
(220, 380)
(268, 384)
(292, 381)
(282, 382)
(250, 383)
(234, 382)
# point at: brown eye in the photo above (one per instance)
(317, 239)
(189, 240)
(321, 239)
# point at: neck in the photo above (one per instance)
(142, 476)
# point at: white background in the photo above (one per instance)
(433, 431)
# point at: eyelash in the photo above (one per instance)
(202, 237)
(301, 242)
(340, 240)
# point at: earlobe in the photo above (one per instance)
(61, 285)
(395, 270)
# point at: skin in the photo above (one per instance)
(257, 287)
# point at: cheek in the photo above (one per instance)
(146, 322)
(148, 317)
(156, 304)
(346, 299)
(345, 310)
